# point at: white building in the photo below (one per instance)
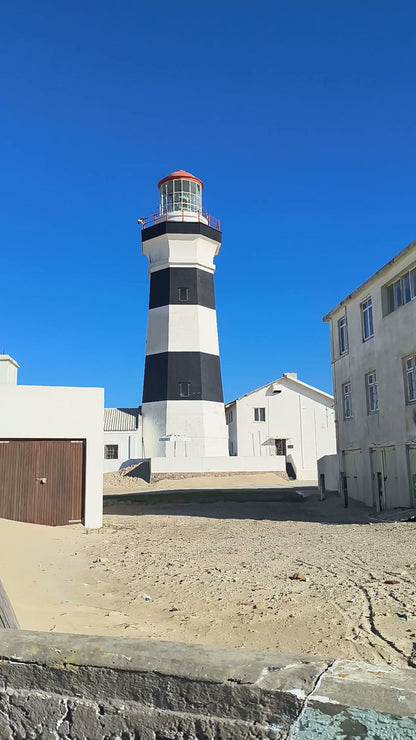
(373, 348)
(285, 418)
(122, 438)
(51, 460)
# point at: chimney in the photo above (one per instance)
(8, 370)
(290, 376)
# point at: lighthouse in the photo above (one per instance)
(183, 406)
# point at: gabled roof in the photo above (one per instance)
(291, 377)
(121, 420)
(369, 280)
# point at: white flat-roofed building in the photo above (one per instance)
(373, 349)
(286, 418)
(122, 438)
(50, 451)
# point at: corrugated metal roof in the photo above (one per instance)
(121, 420)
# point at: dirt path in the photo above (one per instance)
(219, 572)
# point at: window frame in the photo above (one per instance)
(410, 372)
(366, 307)
(401, 290)
(186, 299)
(259, 411)
(347, 400)
(107, 455)
(181, 393)
(342, 331)
(371, 392)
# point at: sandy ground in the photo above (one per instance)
(215, 567)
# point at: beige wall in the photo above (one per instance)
(395, 422)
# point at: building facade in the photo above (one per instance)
(373, 349)
(122, 438)
(285, 418)
(51, 460)
(183, 407)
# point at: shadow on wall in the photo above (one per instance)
(141, 469)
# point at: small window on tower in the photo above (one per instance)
(184, 389)
(183, 294)
(111, 452)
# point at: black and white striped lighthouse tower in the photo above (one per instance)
(182, 393)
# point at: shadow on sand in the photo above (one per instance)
(279, 504)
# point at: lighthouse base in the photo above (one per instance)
(197, 429)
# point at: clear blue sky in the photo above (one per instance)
(299, 116)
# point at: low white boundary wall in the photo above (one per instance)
(218, 464)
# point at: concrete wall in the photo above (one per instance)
(129, 448)
(48, 412)
(328, 466)
(8, 370)
(394, 425)
(297, 413)
(95, 688)
(203, 422)
(217, 464)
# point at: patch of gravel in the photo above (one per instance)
(125, 478)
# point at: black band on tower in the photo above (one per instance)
(181, 285)
(181, 227)
(181, 376)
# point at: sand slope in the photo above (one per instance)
(219, 572)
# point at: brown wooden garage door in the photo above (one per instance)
(42, 480)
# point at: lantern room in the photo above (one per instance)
(180, 192)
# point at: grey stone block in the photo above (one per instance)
(71, 687)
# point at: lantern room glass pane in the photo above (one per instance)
(180, 195)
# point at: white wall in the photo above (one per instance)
(182, 250)
(217, 464)
(298, 414)
(328, 466)
(129, 448)
(202, 421)
(8, 370)
(39, 412)
(395, 423)
(182, 328)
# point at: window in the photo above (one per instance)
(342, 335)
(402, 291)
(260, 414)
(229, 416)
(183, 294)
(367, 319)
(184, 389)
(179, 195)
(372, 392)
(347, 400)
(280, 446)
(110, 452)
(410, 373)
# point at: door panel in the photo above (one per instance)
(352, 459)
(42, 481)
(412, 470)
(390, 476)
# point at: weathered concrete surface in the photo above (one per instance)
(76, 687)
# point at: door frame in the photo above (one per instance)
(412, 486)
(74, 440)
